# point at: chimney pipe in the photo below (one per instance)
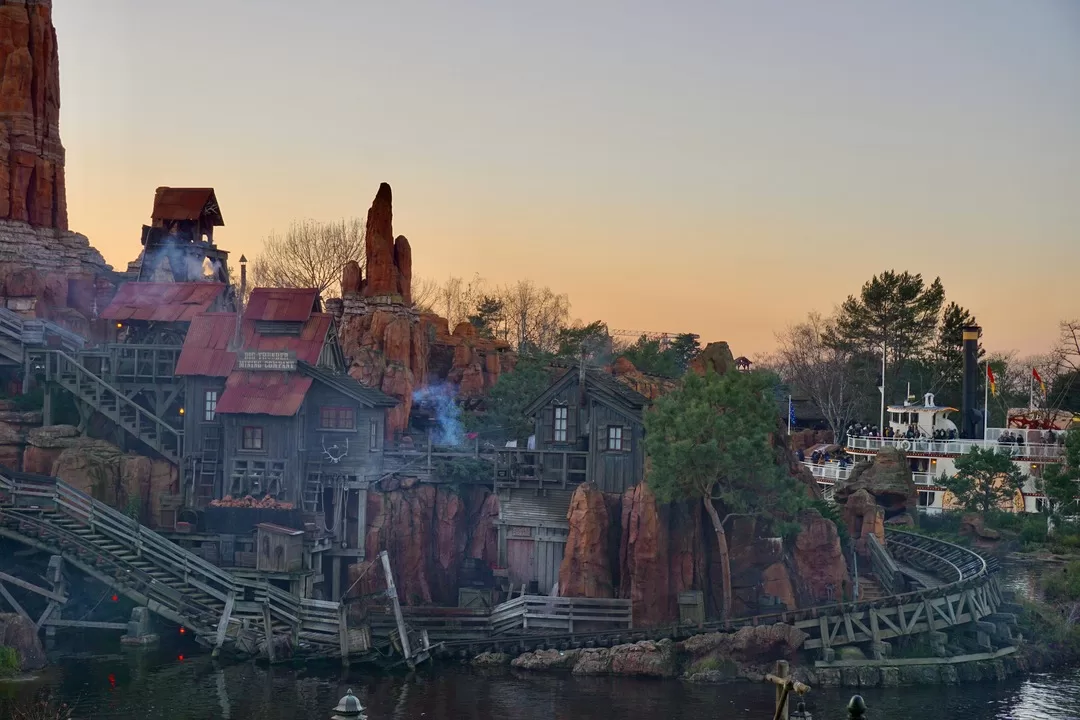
(238, 335)
(971, 426)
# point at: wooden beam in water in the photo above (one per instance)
(13, 603)
(32, 588)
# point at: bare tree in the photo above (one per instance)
(424, 293)
(456, 299)
(534, 315)
(309, 254)
(1067, 351)
(830, 376)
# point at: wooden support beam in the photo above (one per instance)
(46, 613)
(343, 633)
(88, 624)
(223, 623)
(32, 588)
(391, 592)
(13, 603)
(268, 631)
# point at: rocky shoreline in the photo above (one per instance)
(749, 654)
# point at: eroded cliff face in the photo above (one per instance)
(428, 531)
(631, 546)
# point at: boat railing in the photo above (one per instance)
(829, 471)
(955, 447)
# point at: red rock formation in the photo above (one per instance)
(586, 563)
(31, 156)
(821, 571)
(715, 356)
(384, 274)
(427, 530)
(651, 386)
(350, 278)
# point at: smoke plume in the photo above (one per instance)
(439, 399)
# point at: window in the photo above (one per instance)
(562, 414)
(337, 418)
(926, 499)
(614, 437)
(252, 439)
(373, 436)
(1040, 504)
(211, 406)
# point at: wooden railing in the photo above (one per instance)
(142, 424)
(313, 621)
(884, 567)
(539, 613)
(540, 468)
(131, 363)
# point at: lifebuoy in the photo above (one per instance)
(905, 445)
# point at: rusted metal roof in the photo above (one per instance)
(279, 529)
(206, 347)
(162, 302)
(187, 204)
(282, 304)
(263, 393)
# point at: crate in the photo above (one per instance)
(692, 607)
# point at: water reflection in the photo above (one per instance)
(199, 690)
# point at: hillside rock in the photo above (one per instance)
(19, 633)
(586, 564)
(821, 572)
(888, 480)
(749, 644)
(715, 356)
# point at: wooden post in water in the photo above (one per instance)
(391, 592)
(784, 685)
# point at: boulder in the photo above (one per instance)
(715, 356)
(21, 634)
(546, 660)
(973, 525)
(44, 446)
(762, 643)
(586, 565)
(863, 517)
(93, 466)
(887, 479)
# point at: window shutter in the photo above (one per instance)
(627, 438)
(547, 432)
(571, 424)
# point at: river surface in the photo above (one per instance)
(166, 685)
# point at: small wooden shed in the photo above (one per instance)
(279, 549)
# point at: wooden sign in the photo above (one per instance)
(268, 360)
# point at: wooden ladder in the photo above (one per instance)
(209, 466)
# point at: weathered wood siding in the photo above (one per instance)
(281, 442)
(615, 470)
(544, 421)
(195, 423)
(363, 460)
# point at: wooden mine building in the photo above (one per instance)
(588, 427)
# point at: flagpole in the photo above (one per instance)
(986, 401)
(1031, 390)
(788, 414)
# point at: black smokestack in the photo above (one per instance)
(971, 415)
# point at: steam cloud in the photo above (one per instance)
(183, 266)
(440, 400)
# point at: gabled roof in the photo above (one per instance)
(186, 204)
(602, 386)
(162, 302)
(349, 386)
(263, 393)
(207, 352)
(282, 304)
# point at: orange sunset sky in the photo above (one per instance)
(695, 166)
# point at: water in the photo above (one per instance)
(151, 688)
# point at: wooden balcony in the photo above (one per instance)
(539, 469)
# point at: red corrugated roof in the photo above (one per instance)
(263, 393)
(282, 304)
(186, 204)
(206, 347)
(162, 302)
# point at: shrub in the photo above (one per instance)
(9, 661)
(1064, 586)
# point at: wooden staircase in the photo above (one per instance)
(170, 581)
(869, 589)
(88, 388)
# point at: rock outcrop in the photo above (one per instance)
(429, 531)
(45, 271)
(875, 494)
(20, 634)
(715, 356)
(820, 570)
(126, 481)
(586, 565)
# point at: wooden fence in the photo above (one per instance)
(542, 614)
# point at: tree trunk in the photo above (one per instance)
(725, 561)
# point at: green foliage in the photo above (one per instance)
(133, 508)
(896, 309)
(488, 316)
(652, 357)
(1061, 482)
(1065, 391)
(592, 340)
(505, 402)
(947, 354)
(1064, 585)
(9, 661)
(725, 666)
(709, 438)
(461, 470)
(1049, 627)
(984, 481)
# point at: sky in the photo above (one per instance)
(698, 166)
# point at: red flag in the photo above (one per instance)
(990, 379)
(1038, 379)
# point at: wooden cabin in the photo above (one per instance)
(274, 413)
(588, 427)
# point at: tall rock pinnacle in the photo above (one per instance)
(31, 156)
(389, 262)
